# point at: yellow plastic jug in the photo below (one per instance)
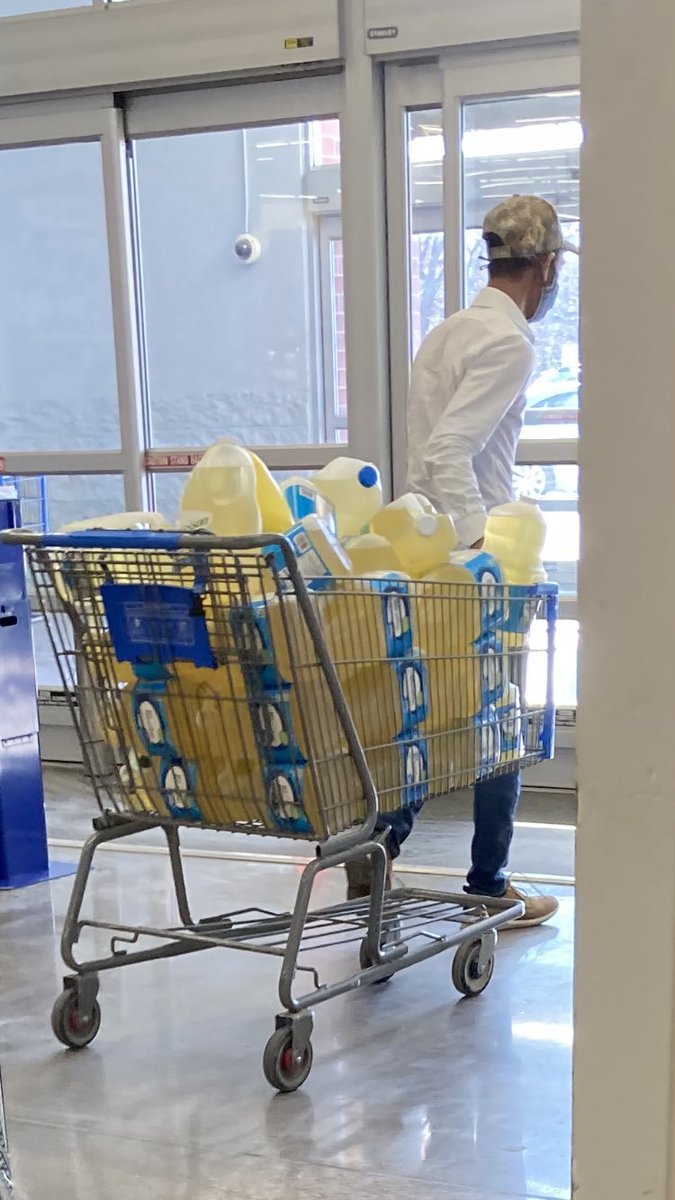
(210, 725)
(515, 534)
(354, 488)
(458, 756)
(400, 773)
(364, 628)
(204, 717)
(459, 601)
(455, 690)
(447, 611)
(119, 565)
(274, 510)
(119, 521)
(304, 498)
(387, 699)
(319, 554)
(292, 704)
(369, 552)
(368, 620)
(223, 487)
(425, 503)
(325, 801)
(421, 540)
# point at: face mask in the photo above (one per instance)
(548, 297)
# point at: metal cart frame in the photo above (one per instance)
(391, 930)
(5, 1172)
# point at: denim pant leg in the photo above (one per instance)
(495, 804)
(399, 824)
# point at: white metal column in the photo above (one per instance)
(624, 1127)
(406, 88)
(124, 309)
(364, 234)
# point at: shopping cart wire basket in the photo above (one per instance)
(212, 686)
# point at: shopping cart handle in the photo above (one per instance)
(98, 539)
(148, 539)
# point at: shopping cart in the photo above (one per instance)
(218, 689)
(31, 492)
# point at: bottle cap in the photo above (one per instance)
(427, 525)
(368, 476)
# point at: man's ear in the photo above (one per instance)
(549, 260)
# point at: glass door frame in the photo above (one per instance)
(92, 120)
(448, 85)
(249, 105)
(406, 88)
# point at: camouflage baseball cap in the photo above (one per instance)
(523, 227)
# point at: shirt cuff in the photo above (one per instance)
(471, 528)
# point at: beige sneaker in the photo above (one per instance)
(538, 908)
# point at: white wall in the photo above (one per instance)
(625, 996)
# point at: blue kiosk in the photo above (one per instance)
(23, 833)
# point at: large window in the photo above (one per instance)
(427, 240)
(58, 387)
(48, 502)
(530, 144)
(20, 8)
(508, 145)
(77, 497)
(556, 488)
(236, 290)
(523, 144)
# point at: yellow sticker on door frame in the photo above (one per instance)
(298, 43)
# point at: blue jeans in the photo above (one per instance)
(494, 810)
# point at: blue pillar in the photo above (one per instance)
(23, 833)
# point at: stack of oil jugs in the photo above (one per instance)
(423, 636)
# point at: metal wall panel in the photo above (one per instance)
(126, 45)
(404, 26)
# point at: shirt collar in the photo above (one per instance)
(491, 297)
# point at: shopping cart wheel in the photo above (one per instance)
(286, 1069)
(70, 1027)
(466, 974)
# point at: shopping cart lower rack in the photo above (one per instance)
(213, 687)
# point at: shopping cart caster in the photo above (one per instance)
(366, 963)
(288, 1056)
(391, 935)
(76, 1015)
(473, 965)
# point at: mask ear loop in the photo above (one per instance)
(550, 282)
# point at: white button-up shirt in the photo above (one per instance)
(466, 408)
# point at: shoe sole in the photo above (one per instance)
(527, 922)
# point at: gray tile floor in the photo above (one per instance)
(414, 1092)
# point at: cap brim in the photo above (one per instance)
(572, 249)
